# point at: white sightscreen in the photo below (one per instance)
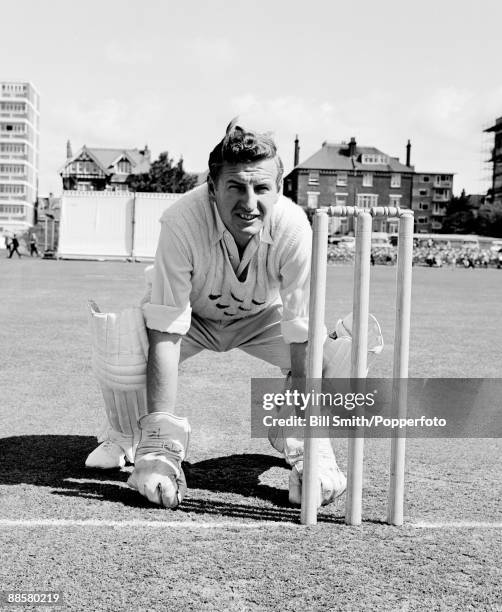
(95, 225)
(148, 210)
(100, 224)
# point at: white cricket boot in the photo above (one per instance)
(114, 450)
(157, 466)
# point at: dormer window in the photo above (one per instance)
(374, 159)
(124, 167)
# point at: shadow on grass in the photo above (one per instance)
(58, 462)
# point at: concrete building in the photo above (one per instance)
(96, 169)
(19, 155)
(495, 192)
(350, 175)
(431, 193)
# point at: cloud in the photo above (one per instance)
(445, 126)
(210, 55)
(108, 122)
(130, 54)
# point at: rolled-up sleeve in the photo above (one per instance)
(168, 309)
(295, 285)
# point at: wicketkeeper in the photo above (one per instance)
(231, 271)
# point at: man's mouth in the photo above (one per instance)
(247, 216)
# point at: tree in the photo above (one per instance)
(164, 176)
(489, 221)
(460, 216)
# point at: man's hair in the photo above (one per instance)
(240, 146)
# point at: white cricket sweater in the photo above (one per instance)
(196, 270)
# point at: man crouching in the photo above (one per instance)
(231, 270)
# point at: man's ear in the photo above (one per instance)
(210, 186)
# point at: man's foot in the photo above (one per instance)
(112, 452)
(162, 447)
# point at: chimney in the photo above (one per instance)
(69, 153)
(297, 152)
(408, 153)
(146, 153)
(352, 147)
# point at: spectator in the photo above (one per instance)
(33, 245)
(14, 245)
(7, 244)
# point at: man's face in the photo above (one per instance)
(245, 195)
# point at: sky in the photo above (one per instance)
(173, 74)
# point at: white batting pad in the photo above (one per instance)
(119, 358)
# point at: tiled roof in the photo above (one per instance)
(334, 156)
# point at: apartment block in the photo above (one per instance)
(431, 193)
(19, 155)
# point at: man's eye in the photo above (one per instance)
(262, 189)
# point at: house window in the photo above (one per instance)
(395, 180)
(367, 179)
(394, 200)
(425, 179)
(423, 206)
(312, 199)
(422, 220)
(422, 192)
(124, 167)
(367, 200)
(392, 227)
(341, 199)
(341, 179)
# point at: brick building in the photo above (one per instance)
(94, 169)
(352, 175)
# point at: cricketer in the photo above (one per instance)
(232, 270)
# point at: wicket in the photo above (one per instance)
(363, 220)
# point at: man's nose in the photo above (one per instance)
(250, 200)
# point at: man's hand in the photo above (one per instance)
(159, 480)
(157, 465)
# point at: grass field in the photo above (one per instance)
(235, 544)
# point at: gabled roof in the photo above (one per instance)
(335, 156)
(106, 158)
